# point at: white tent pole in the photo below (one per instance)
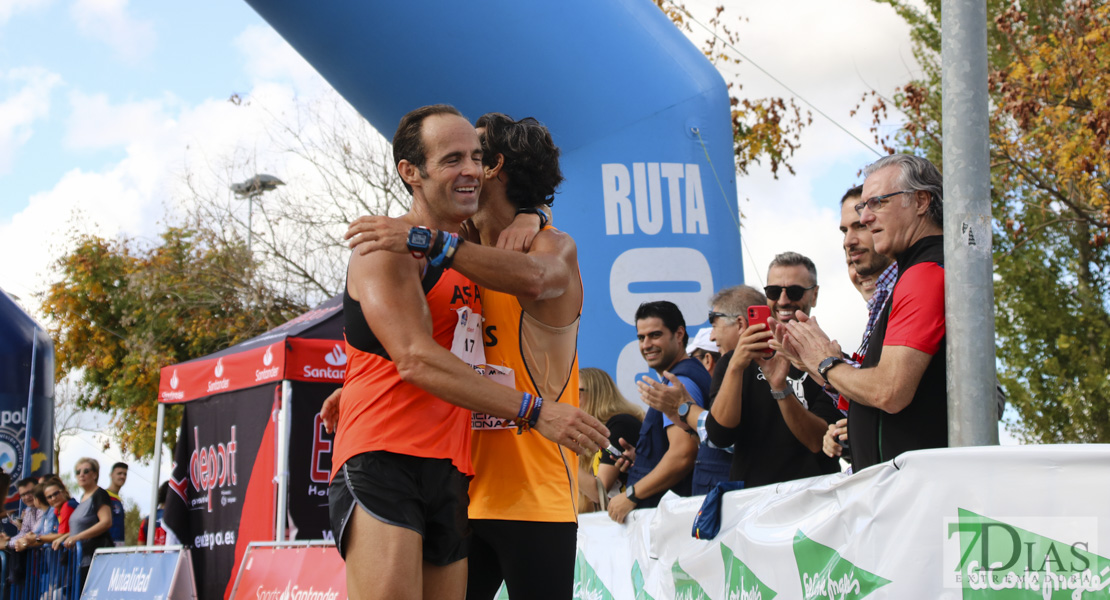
(283, 457)
(152, 520)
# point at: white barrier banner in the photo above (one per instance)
(1000, 523)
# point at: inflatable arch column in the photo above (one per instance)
(642, 118)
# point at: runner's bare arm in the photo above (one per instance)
(387, 285)
(544, 272)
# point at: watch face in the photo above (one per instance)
(420, 238)
(683, 409)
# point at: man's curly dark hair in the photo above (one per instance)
(531, 158)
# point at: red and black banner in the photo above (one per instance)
(310, 451)
(221, 489)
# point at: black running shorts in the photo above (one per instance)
(426, 495)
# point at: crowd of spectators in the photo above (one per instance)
(775, 399)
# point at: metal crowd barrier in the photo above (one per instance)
(47, 574)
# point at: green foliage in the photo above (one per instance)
(1049, 63)
(131, 521)
(120, 312)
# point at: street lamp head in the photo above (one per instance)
(256, 185)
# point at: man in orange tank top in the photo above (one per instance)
(402, 452)
(522, 498)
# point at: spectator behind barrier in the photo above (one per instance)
(163, 536)
(7, 527)
(898, 398)
(665, 455)
(703, 349)
(599, 397)
(92, 519)
(116, 478)
(31, 514)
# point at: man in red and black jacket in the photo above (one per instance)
(898, 399)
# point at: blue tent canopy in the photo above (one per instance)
(26, 393)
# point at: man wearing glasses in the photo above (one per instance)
(773, 415)
(31, 513)
(898, 399)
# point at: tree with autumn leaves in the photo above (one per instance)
(120, 311)
(1049, 85)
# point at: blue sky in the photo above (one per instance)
(104, 103)
(124, 52)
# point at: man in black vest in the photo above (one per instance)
(898, 399)
(665, 454)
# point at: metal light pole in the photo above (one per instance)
(968, 273)
(251, 189)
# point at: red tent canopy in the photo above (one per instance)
(307, 348)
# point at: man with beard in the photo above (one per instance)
(665, 454)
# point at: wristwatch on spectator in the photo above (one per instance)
(784, 393)
(827, 364)
(630, 493)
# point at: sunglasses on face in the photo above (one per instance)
(794, 292)
(84, 471)
(51, 496)
(714, 315)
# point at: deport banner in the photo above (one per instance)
(1014, 523)
(221, 486)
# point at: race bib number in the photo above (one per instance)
(504, 376)
(467, 342)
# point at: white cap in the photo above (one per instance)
(701, 340)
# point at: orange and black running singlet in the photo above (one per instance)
(379, 411)
(525, 477)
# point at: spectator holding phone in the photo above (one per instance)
(772, 414)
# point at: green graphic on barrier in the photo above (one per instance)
(685, 586)
(740, 582)
(999, 560)
(638, 582)
(826, 574)
(587, 585)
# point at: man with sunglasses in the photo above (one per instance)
(772, 414)
(898, 399)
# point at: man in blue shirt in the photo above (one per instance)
(665, 454)
(116, 478)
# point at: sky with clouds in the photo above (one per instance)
(105, 104)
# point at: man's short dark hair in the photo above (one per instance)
(408, 141)
(119, 465)
(163, 491)
(26, 481)
(668, 313)
(531, 157)
(855, 191)
(735, 300)
(918, 175)
(793, 259)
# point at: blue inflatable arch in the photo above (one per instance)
(642, 118)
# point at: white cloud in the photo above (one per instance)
(110, 22)
(29, 102)
(270, 58)
(94, 123)
(9, 8)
